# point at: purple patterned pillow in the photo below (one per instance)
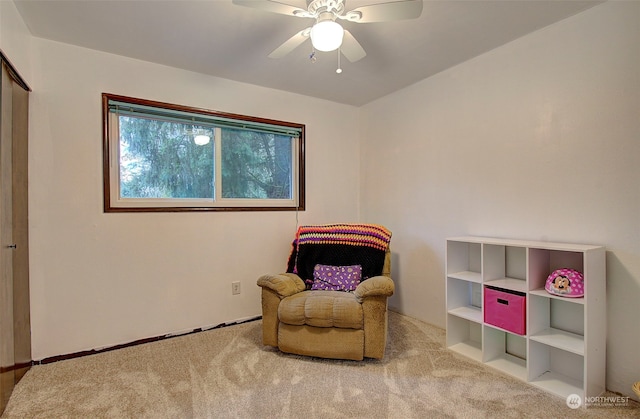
(336, 278)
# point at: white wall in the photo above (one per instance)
(101, 279)
(538, 139)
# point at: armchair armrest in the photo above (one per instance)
(381, 286)
(283, 285)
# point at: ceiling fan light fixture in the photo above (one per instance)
(326, 35)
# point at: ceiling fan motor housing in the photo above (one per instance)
(318, 7)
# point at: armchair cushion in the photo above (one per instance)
(322, 309)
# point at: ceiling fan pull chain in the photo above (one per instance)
(339, 69)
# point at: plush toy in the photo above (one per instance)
(565, 283)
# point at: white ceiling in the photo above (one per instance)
(221, 39)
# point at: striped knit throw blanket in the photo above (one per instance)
(339, 245)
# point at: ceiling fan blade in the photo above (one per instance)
(272, 6)
(290, 44)
(351, 48)
(384, 12)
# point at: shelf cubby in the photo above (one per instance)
(464, 299)
(544, 261)
(556, 322)
(505, 351)
(466, 261)
(505, 267)
(555, 370)
(466, 337)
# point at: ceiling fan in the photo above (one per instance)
(327, 34)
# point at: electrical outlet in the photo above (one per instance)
(235, 287)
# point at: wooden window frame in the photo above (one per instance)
(109, 158)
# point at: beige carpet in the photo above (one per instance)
(227, 373)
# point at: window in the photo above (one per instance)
(163, 157)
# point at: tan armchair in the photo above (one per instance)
(326, 324)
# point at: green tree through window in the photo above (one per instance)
(159, 159)
(255, 165)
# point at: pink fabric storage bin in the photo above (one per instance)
(505, 309)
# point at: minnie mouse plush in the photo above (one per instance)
(565, 283)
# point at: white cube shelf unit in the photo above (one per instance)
(564, 348)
